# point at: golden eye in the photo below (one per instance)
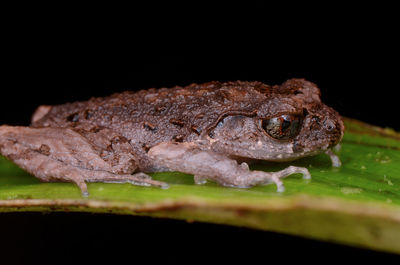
(282, 127)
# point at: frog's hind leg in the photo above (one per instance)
(61, 154)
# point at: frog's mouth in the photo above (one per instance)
(242, 154)
(291, 157)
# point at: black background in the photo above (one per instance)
(351, 54)
(357, 80)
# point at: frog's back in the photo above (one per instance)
(178, 112)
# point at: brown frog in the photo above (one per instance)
(207, 130)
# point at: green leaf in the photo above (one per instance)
(357, 204)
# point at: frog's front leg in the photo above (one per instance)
(207, 164)
(62, 154)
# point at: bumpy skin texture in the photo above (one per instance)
(141, 131)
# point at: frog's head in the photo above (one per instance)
(291, 123)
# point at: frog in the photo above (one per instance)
(212, 131)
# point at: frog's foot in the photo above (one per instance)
(334, 158)
(260, 177)
(81, 176)
(206, 164)
(253, 178)
(199, 180)
(139, 179)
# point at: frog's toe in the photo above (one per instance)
(199, 180)
(334, 158)
(138, 179)
(279, 184)
(277, 176)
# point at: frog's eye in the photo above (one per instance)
(282, 127)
